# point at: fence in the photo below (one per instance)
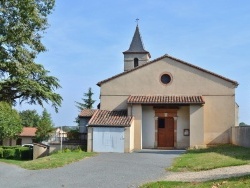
(241, 136)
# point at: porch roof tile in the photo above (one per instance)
(87, 113)
(105, 118)
(164, 99)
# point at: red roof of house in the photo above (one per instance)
(110, 118)
(173, 58)
(163, 99)
(87, 113)
(28, 131)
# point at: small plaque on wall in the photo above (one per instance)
(186, 132)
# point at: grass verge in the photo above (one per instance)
(211, 158)
(54, 160)
(239, 182)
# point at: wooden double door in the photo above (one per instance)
(165, 132)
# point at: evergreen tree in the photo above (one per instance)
(45, 127)
(87, 101)
(22, 23)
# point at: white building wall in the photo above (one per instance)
(148, 127)
(183, 123)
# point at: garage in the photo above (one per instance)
(110, 131)
(108, 139)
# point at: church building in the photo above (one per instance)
(165, 103)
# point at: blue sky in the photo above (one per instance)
(86, 39)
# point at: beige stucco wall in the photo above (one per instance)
(183, 122)
(185, 81)
(215, 118)
(9, 142)
(90, 139)
(26, 140)
(219, 117)
(137, 113)
(196, 126)
(129, 138)
(112, 102)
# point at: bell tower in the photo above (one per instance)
(136, 55)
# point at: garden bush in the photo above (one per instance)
(17, 153)
(10, 147)
(9, 153)
(26, 153)
(1, 152)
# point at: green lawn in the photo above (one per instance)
(55, 160)
(210, 158)
(205, 159)
(240, 182)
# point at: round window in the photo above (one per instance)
(165, 78)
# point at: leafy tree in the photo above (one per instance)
(22, 23)
(30, 118)
(10, 122)
(243, 124)
(45, 127)
(87, 101)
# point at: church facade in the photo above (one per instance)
(164, 103)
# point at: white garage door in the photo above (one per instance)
(108, 139)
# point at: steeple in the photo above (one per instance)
(136, 55)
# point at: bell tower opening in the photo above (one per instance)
(136, 62)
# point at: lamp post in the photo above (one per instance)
(61, 137)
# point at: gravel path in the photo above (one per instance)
(218, 173)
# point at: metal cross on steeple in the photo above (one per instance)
(137, 20)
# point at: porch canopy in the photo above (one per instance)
(164, 99)
(105, 118)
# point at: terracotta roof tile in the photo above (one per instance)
(28, 131)
(110, 118)
(173, 58)
(163, 99)
(87, 113)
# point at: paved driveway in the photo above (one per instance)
(104, 170)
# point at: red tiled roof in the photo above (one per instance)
(163, 99)
(87, 113)
(106, 118)
(173, 58)
(28, 131)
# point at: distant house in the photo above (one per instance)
(27, 136)
(57, 134)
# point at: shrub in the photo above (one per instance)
(1, 152)
(9, 153)
(26, 153)
(17, 153)
(10, 147)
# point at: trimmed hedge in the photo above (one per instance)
(17, 153)
(9, 153)
(1, 152)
